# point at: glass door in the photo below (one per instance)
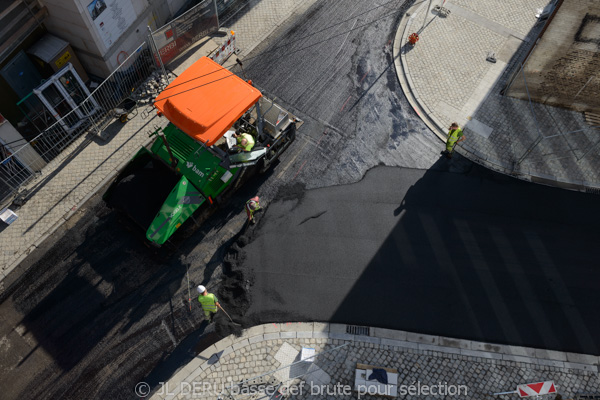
(67, 98)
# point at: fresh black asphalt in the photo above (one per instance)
(457, 255)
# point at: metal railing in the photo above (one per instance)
(23, 161)
(20, 163)
(174, 38)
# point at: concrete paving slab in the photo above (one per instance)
(441, 349)
(256, 339)
(320, 327)
(551, 354)
(226, 342)
(480, 354)
(255, 330)
(399, 343)
(455, 343)
(388, 333)
(297, 326)
(242, 343)
(421, 338)
(271, 336)
(337, 328)
(583, 358)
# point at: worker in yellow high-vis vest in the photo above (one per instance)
(455, 135)
(209, 303)
(244, 141)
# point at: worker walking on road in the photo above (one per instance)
(455, 135)
(209, 303)
(245, 141)
(252, 206)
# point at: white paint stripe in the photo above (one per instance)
(545, 389)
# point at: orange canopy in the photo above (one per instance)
(205, 100)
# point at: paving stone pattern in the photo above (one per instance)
(454, 65)
(517, 15)
(447, 67)
(481, 376)
(259, 18)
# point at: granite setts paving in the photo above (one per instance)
(426, 364)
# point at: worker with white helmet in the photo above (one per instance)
(209, 302)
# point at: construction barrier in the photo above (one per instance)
(226, 49)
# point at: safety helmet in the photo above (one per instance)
(201, 289)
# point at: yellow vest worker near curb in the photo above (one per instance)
(209, 302)
(455, 135)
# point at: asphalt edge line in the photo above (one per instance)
(379, 336)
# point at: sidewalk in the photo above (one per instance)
(91, 162)
(262, 356)
(447, 79)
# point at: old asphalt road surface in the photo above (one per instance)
(422, 245)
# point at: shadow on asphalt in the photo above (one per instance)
(99, 297)
(466, 253)
(488, 258)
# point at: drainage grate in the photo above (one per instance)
(588, 397)
(358, 330)
(592, 190)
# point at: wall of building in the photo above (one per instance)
(564, 68)
(17, 145)
(104, 32)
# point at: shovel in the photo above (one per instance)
(235, 323)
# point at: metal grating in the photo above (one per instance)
(358, 330)
(592, 190)
(588, 397)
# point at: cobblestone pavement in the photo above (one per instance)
(68, 182)
(91, 162)
(447, 78)
(270, 355)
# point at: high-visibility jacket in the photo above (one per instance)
(208, 302)
(253, 204)
(454, 135)
(249, 141)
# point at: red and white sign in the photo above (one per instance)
(536, 389)
(227, 48)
